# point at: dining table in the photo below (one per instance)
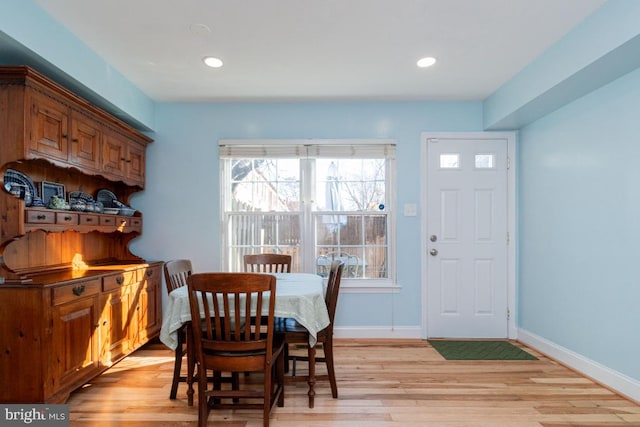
(299, 296)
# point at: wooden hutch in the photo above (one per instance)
(73, 299)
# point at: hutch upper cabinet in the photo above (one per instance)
(73, 298)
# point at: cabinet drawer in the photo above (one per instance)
(69, 218)
(118, 280)
(89, 219)
(150, 274)
(63, 294)
(124, 221)
(40, 216)
(109, 220)
(129, 223)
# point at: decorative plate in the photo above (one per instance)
(79, 195)
(126, 211)
(107, 198)
(111, 211)
(12, 176)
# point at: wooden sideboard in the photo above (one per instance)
(73, 298)
(67, 327)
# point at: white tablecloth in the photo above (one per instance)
(299, 296)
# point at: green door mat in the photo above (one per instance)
(479, 350)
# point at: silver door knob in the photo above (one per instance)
(433, 252)
(433, 238)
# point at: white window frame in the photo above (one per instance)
(297, 148)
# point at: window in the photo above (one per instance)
(450, 161)
(316, 201)
(485, 161)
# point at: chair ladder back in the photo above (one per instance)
(211, 323)
(333, 288)
(258, 318)
(176, 273)
(267, 263)
(229, 307)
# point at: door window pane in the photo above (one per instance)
(485, 161)
(450, 161)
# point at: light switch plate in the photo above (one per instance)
(410, 209)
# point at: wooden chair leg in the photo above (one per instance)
(280, 370)
(268, 395)
(328, 356)
(286, 358)
(191, 364)
(177, 366)
(203, 399)
(311, 351)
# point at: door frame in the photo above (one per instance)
(511, 219)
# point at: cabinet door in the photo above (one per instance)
(75, 341)
(86, 136)
(114, 148)
(49, 128)
(149, 305)
(116, 323)
(123, 159)
(134, 168)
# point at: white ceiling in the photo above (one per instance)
(286, 50)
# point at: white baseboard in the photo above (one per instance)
(614, 380)
(378, 332)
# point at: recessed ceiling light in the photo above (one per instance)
(199, 29)
(426, 62)
(212, 61)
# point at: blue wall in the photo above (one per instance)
(181, 202)
(579, 219)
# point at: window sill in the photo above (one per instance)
(369, 286)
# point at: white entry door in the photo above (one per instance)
(467, 238)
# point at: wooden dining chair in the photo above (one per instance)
(294, 333)
(267, 263)
(229, 338)
(176, 273)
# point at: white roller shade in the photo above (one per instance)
(334, 149)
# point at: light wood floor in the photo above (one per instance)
(404, 383)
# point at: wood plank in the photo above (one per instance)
(399, 383)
